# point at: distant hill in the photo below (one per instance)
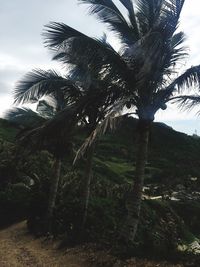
(172, 155)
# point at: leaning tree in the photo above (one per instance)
(52, 127)
(77, 98)
(146, 67)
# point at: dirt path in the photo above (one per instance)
(20, 249)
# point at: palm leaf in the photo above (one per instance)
(36, 84)
(56, 34)
(190, 78)
(107, 12)
(169, 16)
(128, 4)
(177, 51)
(187, 102)
(39, 83)
(93, 55)
(145, 15)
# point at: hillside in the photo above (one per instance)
(8, 130)
(171, 192)
(173, 157)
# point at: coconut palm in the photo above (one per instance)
(145, 68)
(44, 129)
(89, 100)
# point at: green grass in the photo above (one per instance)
(120, 168)
(115, 171)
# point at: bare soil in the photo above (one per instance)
(19, 249)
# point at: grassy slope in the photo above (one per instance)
(171, 154)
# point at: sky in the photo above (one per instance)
(22, 48)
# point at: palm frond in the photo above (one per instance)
(177, 51)
(77, 49)
(36, 84)
(190, 78)
(56, 34)
(81, 76)
(148, 13)
(161, 16)
(128, 4)
(39, 83)
(169, 16)
(178, 39)
(107, 12)
(172, 54)
(159, 63)
(187, 102)
(144, 11)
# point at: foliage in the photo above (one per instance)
(8, 130)
(163, 224)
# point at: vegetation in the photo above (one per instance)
(151, 50)
(97, 191)
(164, 223)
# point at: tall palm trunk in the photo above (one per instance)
(86, 185)
(134, 198)
(53, 192)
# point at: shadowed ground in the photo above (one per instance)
(19, 249)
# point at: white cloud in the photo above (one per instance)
(5, 103)
(22, 46)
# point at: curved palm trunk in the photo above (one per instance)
(134, 198)
(53, 192)
(86, 185)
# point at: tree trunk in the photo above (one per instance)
(134, 197)
(53, 192)
(86, 185)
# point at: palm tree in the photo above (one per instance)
(145, 68)
(45, 129)
(91, 102)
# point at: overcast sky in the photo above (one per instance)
(21, 44)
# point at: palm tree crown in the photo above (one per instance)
(150, 54)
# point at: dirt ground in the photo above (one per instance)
(20, 249)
